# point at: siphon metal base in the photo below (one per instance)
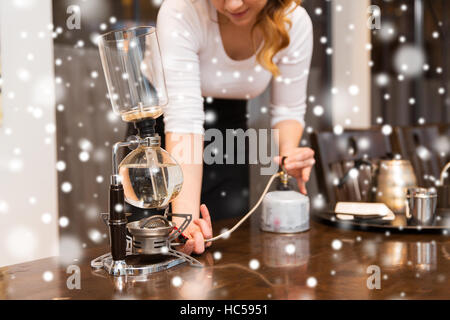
(134, 265)
(148, 251)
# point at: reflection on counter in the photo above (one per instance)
(283, 272)
(423, 255)
(184, 282)
(290, 250)
(289, 255)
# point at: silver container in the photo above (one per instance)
(285, 212)
(421, 205)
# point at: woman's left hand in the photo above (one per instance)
(299, 163)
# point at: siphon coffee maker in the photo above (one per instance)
(148, 177)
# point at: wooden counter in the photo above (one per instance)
(412, 267)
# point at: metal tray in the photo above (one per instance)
(441, 223)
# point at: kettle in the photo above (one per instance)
(392, 179)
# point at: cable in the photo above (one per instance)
(228, 232)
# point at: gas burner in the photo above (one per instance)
(150, 248)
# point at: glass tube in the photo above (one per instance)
(134, 72)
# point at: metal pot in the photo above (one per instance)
(393, 179)
(421, 205)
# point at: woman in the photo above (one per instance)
(230, 50)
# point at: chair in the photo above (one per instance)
(426, 148)
(335, 154)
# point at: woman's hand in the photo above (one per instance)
(299, 163)
(197, 231)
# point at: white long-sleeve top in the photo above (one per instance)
(196, 66)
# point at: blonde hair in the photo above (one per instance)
(272, 22)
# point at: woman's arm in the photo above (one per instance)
(180, 36)
(290, 133)
(187, 149)
(299, 161)
(288, 105)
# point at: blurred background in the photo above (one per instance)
(379, 63)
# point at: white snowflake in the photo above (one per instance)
(60, 165)
(46, 218)
(66, 187)
(423, 153)
(254, 264)
(225, 233)
(408, 60)
(47, 276)
(386, 130)
(382, 79)
(319, 201)
(177, 281)
(311, 282)
(118, 208)
(64, 222)
(336, 244)
(4, 207)
(318, 111)
(84, 156)
(50, 128)
(290, 249)
(95, 235)
(210, 117)
(338, 130)
(353, 90)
